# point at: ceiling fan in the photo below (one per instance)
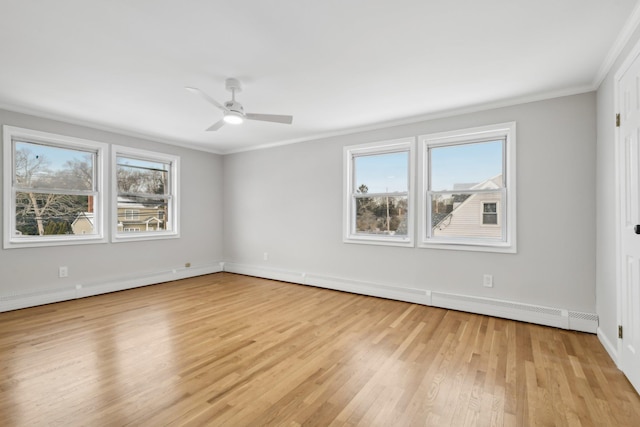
(233, 111)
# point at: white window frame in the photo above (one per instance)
(173, 201)
(11, 239)
(506, 209)
(382, 147)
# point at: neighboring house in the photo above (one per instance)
(83, 224)
(134, 216)
(477, 216)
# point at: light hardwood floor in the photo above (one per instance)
(233, 350)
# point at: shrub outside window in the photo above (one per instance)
(53, 189)
(468, 189)
(378, 202)
(145, 190)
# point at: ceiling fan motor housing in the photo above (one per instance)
(234, 106)
(233, 112)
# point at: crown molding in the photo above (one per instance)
(105, 128)
(630, 26)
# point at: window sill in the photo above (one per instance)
(381, 241)
(52, 241)
(500, 247)
(134, 237)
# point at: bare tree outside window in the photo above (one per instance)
(49, 196)
(381, 194)
(377, 208)
(143, 194)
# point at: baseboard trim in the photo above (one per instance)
(608, 345)
(417, 296)
(43, 296)
(265, 272)
(548, 316)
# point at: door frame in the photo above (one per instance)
(618, 152)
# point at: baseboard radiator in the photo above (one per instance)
(15, 301)
(549, 316)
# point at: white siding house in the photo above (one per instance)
(478, 216)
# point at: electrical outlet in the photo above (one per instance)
(487, 281)
(63, 271)
(265, 256)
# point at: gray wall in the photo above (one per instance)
(606, 292)
(287, 201)
(26, 269)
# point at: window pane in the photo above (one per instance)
(489, 207)
(466, 166)
(41, 214)
(146, 199)
(490, 219)
(46, 167)
(143, 214)
(382, 173)
(381, 215)
(142, 176)
(463, 215)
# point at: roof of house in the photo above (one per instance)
(491, 183)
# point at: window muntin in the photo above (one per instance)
(146, 205)
(377, 195)
(468, 189)
(52, 190)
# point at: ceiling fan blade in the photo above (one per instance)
(217, 125)
(270, 118)
(206, 97)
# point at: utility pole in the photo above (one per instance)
(388, 218)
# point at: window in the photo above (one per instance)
(145, 195)
(489, 213)
(378, 182)
(131, 214)
(53, 189)
(468, 189)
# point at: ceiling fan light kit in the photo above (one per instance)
(233, 118)
(233, 112)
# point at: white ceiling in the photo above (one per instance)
(337, 66)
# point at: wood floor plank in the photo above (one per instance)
(226, 349)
